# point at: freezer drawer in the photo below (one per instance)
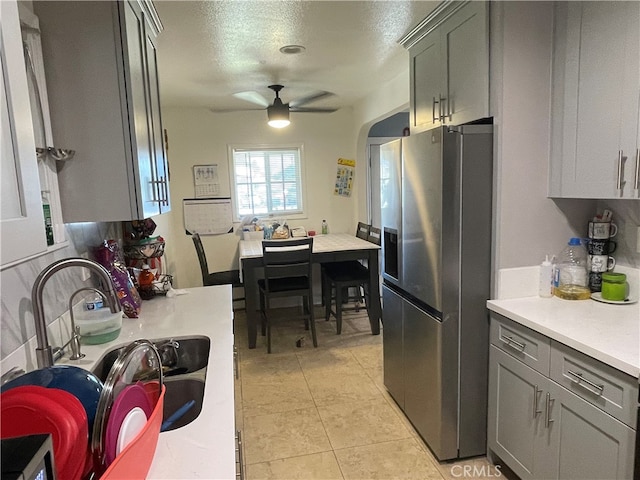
(393, 345)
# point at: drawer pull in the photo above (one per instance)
(535, 401)
(580, 379)
(547, 411)
(513, 343)
(240, 455)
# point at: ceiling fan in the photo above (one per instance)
(278, 112)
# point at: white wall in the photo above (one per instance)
(198, 136)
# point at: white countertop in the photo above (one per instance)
(609, 333)
(204, 448)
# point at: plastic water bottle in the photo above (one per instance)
(545, 287)
(571, 278)
(325, 227)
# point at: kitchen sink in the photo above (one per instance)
(184, 363)
(180, 356)
(180, 391)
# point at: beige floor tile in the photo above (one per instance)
(279, 393)
(332, 388)
(399, 459)
(257, 368)
(326, 361)
(318, 466)
(363, 423)
(284, 435)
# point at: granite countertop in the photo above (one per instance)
(606, 332)
(205, 448)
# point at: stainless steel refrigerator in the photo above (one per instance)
(436, 204)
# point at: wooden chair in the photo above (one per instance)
(339, 277)
(287, 273)
(231, 277)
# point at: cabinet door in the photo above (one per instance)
(21, 215)
(465, 46)
(516, 395)
(584, 442)
(427, 82)
(161, 170)
(393, 346)
(596, 78)
(134, 42)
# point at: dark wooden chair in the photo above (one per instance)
(229, 277)
(339, 277)
(287, 273)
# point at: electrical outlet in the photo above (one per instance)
(86, 273)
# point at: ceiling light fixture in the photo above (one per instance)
(292, 49)
(278, 113)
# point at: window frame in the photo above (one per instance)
(231, 148)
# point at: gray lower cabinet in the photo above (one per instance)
(542, 430)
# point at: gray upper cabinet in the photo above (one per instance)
(449, 69)
(21, 215)
(595, 138)
(104, 101)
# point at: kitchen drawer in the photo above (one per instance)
(607, 388)
(520, 342)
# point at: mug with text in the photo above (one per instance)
(601, 246)
(602, 230)
(601, 263)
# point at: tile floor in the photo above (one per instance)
(324, 413)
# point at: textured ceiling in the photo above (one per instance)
(212, 49)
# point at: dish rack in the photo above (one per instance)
(139, 359)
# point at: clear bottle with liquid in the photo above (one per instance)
(571, 278)
(325, 227)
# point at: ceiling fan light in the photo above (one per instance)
(278, 116)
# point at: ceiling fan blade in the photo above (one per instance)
(230, 110)
(253, 97)
(310, 98)
(313, 110)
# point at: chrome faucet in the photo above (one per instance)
(44, 355)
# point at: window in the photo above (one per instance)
(267, 181)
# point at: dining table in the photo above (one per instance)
(331, 247)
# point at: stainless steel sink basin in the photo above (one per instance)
(180, 391)
(184, 363)
(189, 355)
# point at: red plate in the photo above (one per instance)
(130, 397)
(29, 409)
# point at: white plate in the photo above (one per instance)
(132, 424)
(597, 296)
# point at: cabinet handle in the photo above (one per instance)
(580, 379)
(235, 361)
(433, 110)
(637, 179)
(165, 189)
(547, 411)
(511, 342)
(535, 401)
(240, 473)
(441, 115)
(620, 182)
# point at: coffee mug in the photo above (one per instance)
(601, 263)
(615, 286)
(599, 246)
(602, 230)
(595, 281)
